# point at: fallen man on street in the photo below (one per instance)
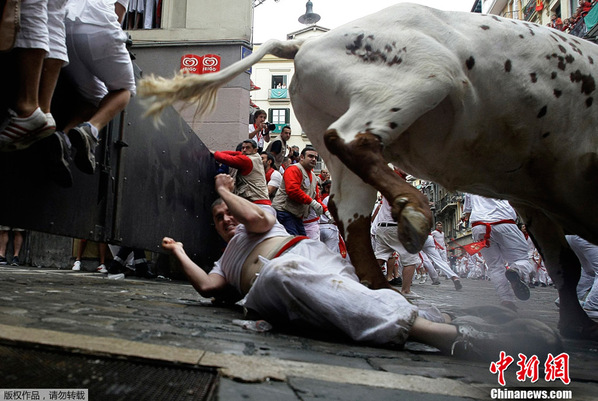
(288, 278)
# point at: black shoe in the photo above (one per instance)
(15, 261)
(397, 282)
(3, 261)
(519, 288)
(115, 267)
(436, 282)
(458, 285)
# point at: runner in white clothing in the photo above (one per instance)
(493, 221)
(439, 241)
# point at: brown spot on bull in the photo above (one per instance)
(562, 49)
(357, 43)
(534, 77)
(588, 85)
(395, 60)
(569, 58)
(553, 75)
(521, 36)
(508, 66)
(484, 27)
(576, 50)
(543, 111)
(589, 101)
(591, 60)
(557, 93)
(393, 125)
(561, 65)
(470, 62)
(494, 17)
(395, 109)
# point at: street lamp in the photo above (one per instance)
(309, 17)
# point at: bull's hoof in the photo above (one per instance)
(587, 332)
(414, 228)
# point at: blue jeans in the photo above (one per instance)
(293, 225)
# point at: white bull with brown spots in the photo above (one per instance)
(476, 103)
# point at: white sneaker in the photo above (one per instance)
(77, 265)
(19, 133)
(102, 268)
(119, 276)
(423, 279)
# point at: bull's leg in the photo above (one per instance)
(363, 156)
(351, 204)
(564, 268)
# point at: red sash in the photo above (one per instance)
(486, 240)
(290, 244)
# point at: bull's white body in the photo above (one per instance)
(474, 129)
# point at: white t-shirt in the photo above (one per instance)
(94, 12)
(259, 137)
(240, 246)
(275, 179)
(488, 210)
(439, 237)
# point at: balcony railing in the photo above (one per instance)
(278, 94)
(450, 200)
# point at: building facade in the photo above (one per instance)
(163, 32)
(272, 75)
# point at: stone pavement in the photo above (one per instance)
(166, 320)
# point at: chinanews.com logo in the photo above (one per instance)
(555, 368)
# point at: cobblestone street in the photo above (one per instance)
(167, 320)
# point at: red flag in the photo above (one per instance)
(474, 247)
(539, 5)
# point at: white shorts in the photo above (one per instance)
(387, 242)
(99, 62)
(42, 27)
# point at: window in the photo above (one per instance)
(280, 117)
(143, 14)
(279, 81)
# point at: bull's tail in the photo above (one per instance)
(202, 89)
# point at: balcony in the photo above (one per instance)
(279, 94)
(448, 202)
